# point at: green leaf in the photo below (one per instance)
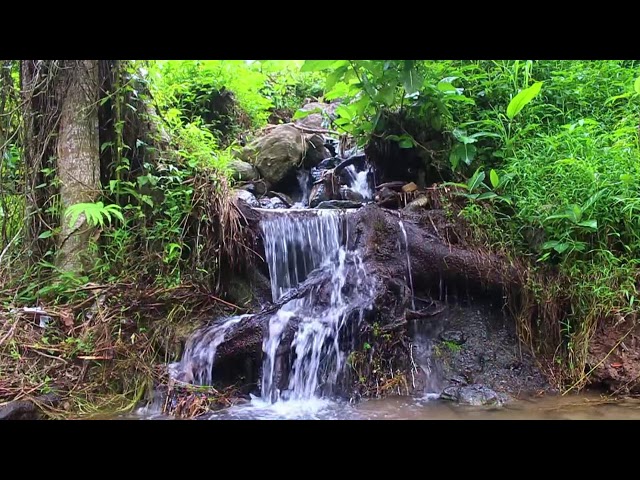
(46, 234)
(469, 154)
(495, 179)
(518, 102)
(411, 80)
(575, 213)
(454, 159)
(476, 180)
(387, 95)
(316, 65)
(305, 113)
(446, 87)
(636, 85)
(626, 178)
(335, 76)
(555, 245)
(487, 196)
(593, 224)
(406, 143)
(105, 145)
(461, 136)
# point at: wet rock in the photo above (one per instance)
(329, 163)
(332, 145)
(458, 380)
(316, 151)
(257, 187)
(247, 197)
(243, 171)
(391, 185)
(316, 120)
(347, 193)
(450, 393)
(272, 203)
(26, 409)
(327, 188)
(278, 203)
(277, 153)
(417, 204)
(480, 395)
(387, 198)
(453, 336)
(339, 204)
(286, 199)
(473, 395)
(318, 194)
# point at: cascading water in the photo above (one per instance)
(197, 360)
(359, 181)
(406, 247)
(295, 245)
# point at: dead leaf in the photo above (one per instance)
(67, 318)
(409, 187)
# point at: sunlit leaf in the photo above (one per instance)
(316, 65)
(518, 102)
(495, 179)
(593, 224)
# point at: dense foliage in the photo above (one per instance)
(548, 154)
(544, 152)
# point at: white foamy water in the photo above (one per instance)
(359, 181)
(199, 355)
(406, 248)
(294, 247)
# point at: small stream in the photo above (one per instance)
(308, 339)
(570, 407)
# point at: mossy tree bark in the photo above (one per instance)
(78, 159)
(62, 162)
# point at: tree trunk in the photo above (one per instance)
(78, 159)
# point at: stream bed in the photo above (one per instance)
(551, 407)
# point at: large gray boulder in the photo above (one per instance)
(281, 151)
(277, 153)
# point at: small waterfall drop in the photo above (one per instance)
(295, 246)
(199, 355)
(308, 338)
(406, 248)
(359, 181)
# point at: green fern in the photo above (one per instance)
(96, 213)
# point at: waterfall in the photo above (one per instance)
(199, 355)
(406, 248)
(296, 245)
(359, 181)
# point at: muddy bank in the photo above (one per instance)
(614, 358)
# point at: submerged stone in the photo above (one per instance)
(339, 204)
(476, 395)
